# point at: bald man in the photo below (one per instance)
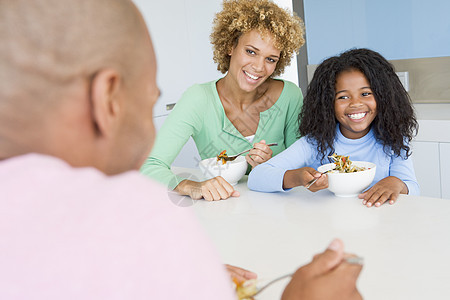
(77, 87)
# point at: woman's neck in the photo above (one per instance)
(230, 92)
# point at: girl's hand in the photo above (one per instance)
(386, 189)
(311, 174)
(302, 176)
(259, 154)
(213, 189)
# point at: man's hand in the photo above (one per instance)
(240, 275)
(328, 276)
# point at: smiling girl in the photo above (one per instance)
(355, 106)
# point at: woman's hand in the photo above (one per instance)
(240, 275)
(386, 189)
(213, 189)
(302, 176)
(259, 154)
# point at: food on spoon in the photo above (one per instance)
(345, 165)
(222, 156)
(245, 290)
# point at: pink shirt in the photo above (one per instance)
(74, 233)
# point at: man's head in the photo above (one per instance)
(77, 81)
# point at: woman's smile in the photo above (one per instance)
(253, 77)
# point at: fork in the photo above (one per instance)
(351, 260)
(271, 282)
(315, 179)
(233, 157)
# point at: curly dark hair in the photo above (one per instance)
(395, 124)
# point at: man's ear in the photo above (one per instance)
(105, 92)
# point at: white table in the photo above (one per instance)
(406, 246)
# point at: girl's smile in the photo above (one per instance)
(355, 106)
(357, 116)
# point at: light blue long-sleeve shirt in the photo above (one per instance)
(268, 177)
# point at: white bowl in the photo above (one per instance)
(232, 171)
(349, 184)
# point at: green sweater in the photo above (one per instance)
(200, 114)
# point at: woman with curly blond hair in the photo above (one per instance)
(253, 41)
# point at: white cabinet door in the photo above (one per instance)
(444, 150)
(158, 121)
(180, 32)
(426, 166)
(188, 157)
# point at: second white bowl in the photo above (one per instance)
(349, 184)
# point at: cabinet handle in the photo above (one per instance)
(170, 106)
